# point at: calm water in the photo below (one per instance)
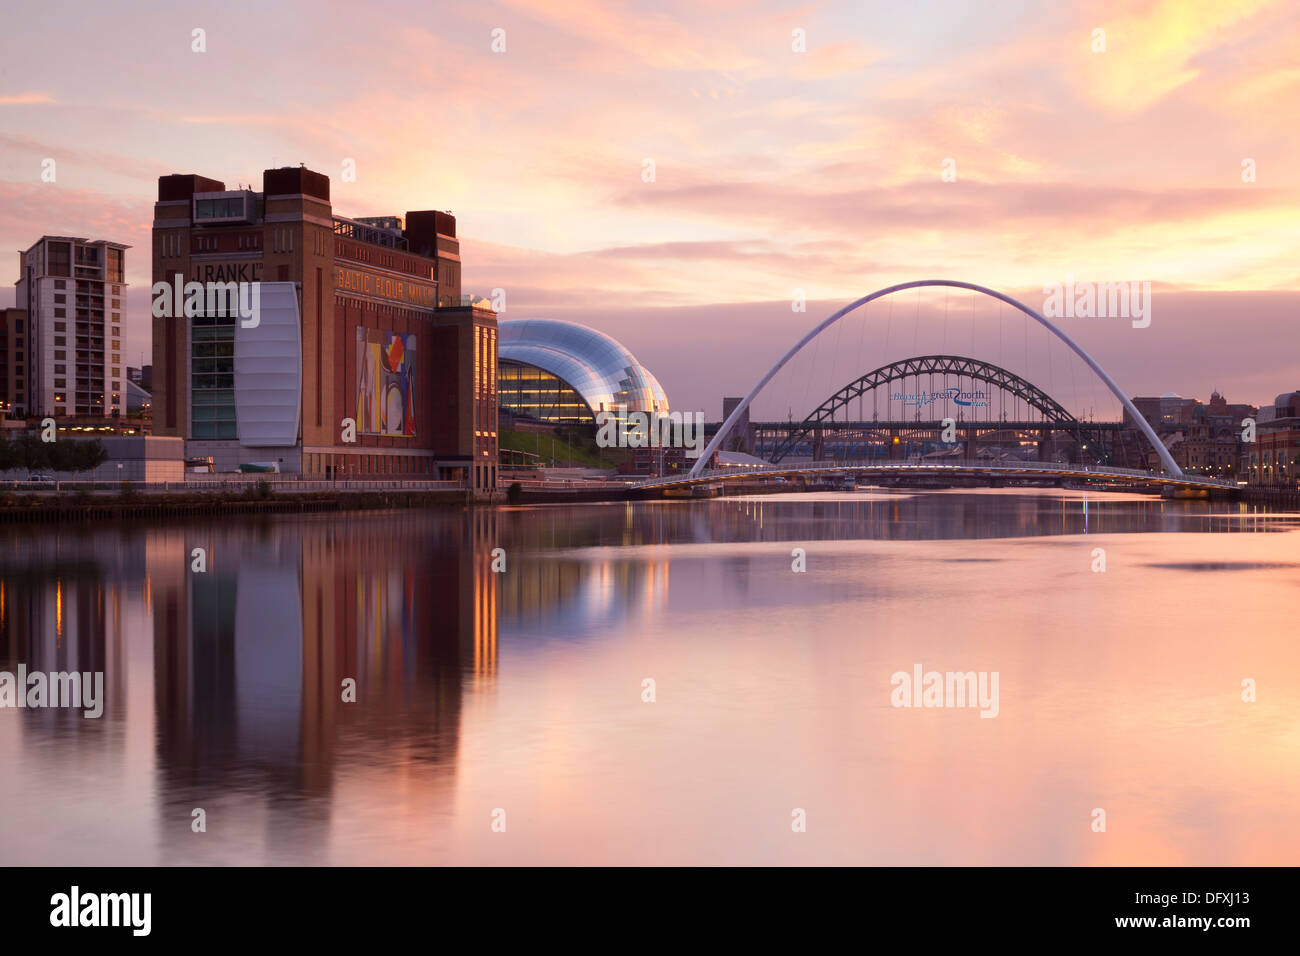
(522, 691)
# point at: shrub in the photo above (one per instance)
(261, 490)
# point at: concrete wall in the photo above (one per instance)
(228, 454)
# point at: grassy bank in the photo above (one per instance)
(567, 446)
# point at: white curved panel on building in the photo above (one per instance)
(268, 370)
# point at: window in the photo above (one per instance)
(219, 208)
(60, 354)
(61, 298)
(115, 344)
(60, 370)
(117, 304)
(60, 326)
(117, 290)
(117, 358)
(212, 377)
(60, 313)
(60, 284)
(18, 325)
(116, 330)
(60, 383)
(60, 340)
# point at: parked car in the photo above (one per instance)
(41, 479)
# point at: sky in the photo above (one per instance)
(672, 172)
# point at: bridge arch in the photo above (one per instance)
(1166, 460)
(1053, 412)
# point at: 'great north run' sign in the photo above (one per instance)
(952, 393)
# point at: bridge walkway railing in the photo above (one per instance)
(1052, 468)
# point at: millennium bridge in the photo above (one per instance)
(882, 449)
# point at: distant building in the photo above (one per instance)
(142, 376)
(64, 355)
(1274, 457)
(138, 401)
(13, 362)
(1218, 408)
(1202, 439)
(742, 438)
(1166, 411)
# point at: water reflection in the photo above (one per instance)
(225, 686)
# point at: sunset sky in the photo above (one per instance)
(774, 169)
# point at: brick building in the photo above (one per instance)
(363, 360)
(1274, 456)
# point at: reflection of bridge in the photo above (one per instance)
(970, 410)
(994, 470)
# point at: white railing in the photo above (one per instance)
(565, 484)
(1055, 469)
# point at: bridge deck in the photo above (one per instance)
(937, 424)
(949, 467)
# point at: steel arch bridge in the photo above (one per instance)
(1166, 460)
(1054, 414)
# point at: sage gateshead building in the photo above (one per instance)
(565, 373)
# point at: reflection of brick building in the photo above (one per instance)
(360, 320)
(250, 659)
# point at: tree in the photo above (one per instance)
(88, 455)
(30, 453)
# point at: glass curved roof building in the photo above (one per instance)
(563, 372)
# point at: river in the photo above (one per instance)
(658, 683)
